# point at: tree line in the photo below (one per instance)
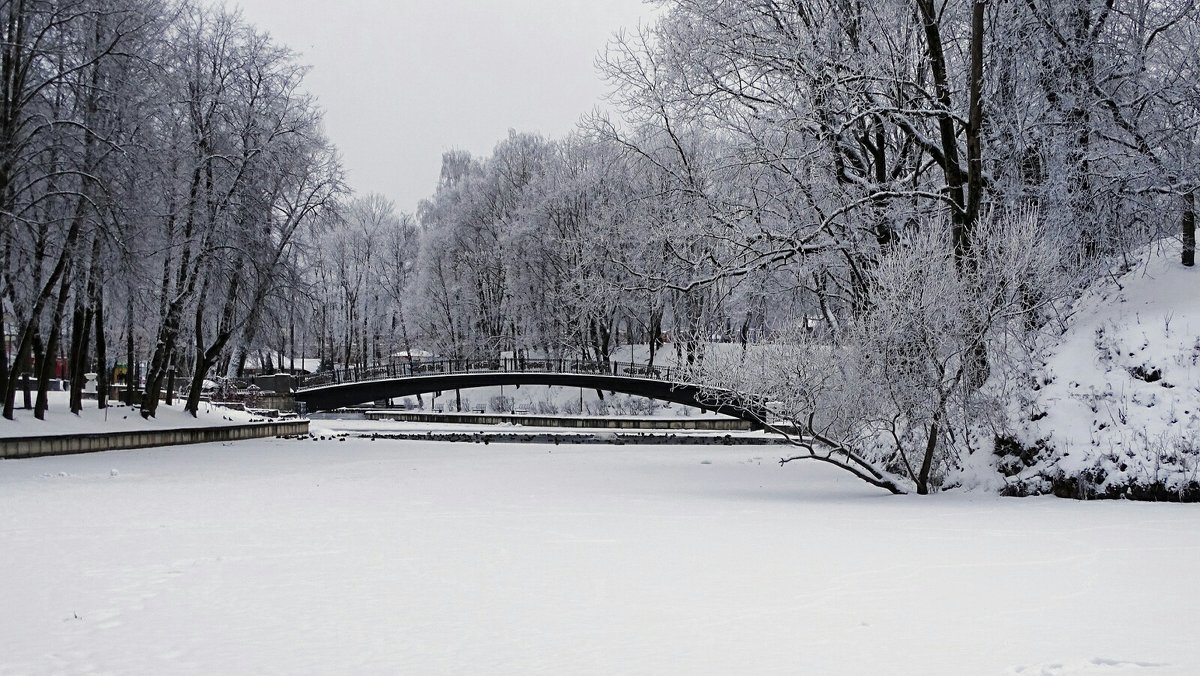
(940, 177)
(932, 180)
(158, 162)
(880, 204)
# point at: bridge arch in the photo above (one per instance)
(330, 396)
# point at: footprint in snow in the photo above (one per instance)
(1096, 665)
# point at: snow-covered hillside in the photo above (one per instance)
(1116, 409)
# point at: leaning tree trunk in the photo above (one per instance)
(164, 352)
(45, 373)
(26, 342)
(927, 461)
(200, 365)
(207, 358)
(50, 357)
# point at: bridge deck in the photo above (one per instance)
(347, 387)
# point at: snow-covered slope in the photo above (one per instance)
(1116, 409)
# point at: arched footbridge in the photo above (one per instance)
(348, 387)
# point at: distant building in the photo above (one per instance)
(263, 362)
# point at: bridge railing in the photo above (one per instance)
(513, 365)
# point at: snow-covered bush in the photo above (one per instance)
(902, 393)
(597, 407)
(500, 404)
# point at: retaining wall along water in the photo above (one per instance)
(697, 423)
(29, 447)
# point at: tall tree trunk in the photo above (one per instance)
(960, 229)
(45, 373)
(81, 328)
(981, 368)
(76, 355)
(1189, 229)
(102, 372)
(129, 355)
(13, 72)
(975, 122)
(83, 363)
(4, 370)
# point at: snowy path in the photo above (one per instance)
(388, 557)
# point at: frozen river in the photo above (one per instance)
(423, 557)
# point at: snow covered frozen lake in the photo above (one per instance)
(422, 557)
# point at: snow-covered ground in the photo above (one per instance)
(281, 556)
(116, 418)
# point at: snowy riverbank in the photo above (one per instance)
(116, 418)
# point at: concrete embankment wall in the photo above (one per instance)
(604, 438)
(714, 424)
(29, 447)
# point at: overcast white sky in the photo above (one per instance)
(403, 80)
